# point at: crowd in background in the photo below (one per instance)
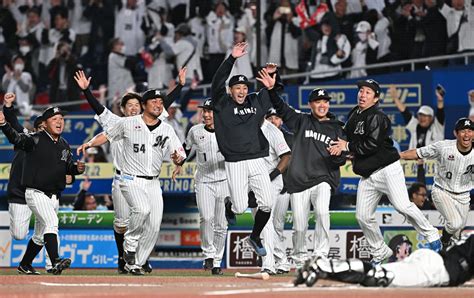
(140, 44)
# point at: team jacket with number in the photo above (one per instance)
(238, 126)
(46, 162)
(311, 162)
(368, 133)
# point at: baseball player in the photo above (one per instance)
(423, 268)
(130, 106)
(47, 160)
(377, 161)
(313, 179)
(211, 188)
(145, 141)
(454, 178)
(237, 120)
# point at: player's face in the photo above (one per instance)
(132, 107)
(366, 98)
(464, 138)
(424, 120)
(208, 117)
(55, 125)
(320, 108)
(403, 251)
(154, 107)
(275, 120)
(239, 92)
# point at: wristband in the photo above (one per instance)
(274, 174)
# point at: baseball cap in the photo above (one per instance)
(239, 79)
(426, 110)
(396, 241)
(372, 84)
(318, 94)
(240, 30)
(207, 104)
(363, 26)
(464, 123)
(52, 111)
(153, 93)
(183, 29)
(37, 121)
(271, 112)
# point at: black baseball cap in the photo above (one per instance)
(207, 104)
(271, 112)
(239, 79)
(52, 111)
(153, 93)
(38, 120)
(318, 94)
(372, 84)
(464, 123)
(396, 241)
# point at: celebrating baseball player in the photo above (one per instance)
(46, 152)
(454, 178)
(237, 120)
(211, 188)
(377, 161)
(423, 268)
(310, 180)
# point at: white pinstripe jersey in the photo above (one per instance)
(144, 150)
(108, 119)
(209, 160)
(277, 144)
(454, 171)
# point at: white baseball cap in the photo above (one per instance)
(363, 26)
(426, 110)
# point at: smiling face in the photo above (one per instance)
(55, 125)
(238, 92)
(319, 108)
(366, 98)
(153, 107)
(275, 120)
(208, 117)
(464, 139)
(132, 107)
(424, 120)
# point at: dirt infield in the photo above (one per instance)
(194, 283)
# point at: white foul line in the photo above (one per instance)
(49, 284)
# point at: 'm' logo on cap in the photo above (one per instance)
(320, 92)
(241, 79)
(370, 81)
(207, 102)
(157, 92)
(467, 123)
(56, 110)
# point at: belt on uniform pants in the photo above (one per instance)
(143, 177)
(451, 192)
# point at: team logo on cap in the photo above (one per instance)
(467, 123)
(370, 81)
(157, 93)
(241, 79)
(320, 92)
(56, 110)
(207, 102)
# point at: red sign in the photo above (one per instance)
(190, 238)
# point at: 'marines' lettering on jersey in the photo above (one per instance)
(317, 136)
(245, 111)
(160, 141)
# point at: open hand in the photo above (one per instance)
(266, 79)
(182, 76)
(239, 49)
(81, 80)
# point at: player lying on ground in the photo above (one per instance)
(423, 268)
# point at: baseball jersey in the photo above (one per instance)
(278, 145)
(209, 160)
(144, 150)
(454, 171)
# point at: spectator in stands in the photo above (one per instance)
(434, 26)
(380, 25)
(284, 38)
(119, 70)
(417, 193)
(330, 50)
(418, 13)
(470, 98)
(425, 128)
(84, 200)
(19, 82)
(7, 34)
(198, 30)
(460, 25)
(81, 24)
(346, 21)
(128, 27)
(61, 75)
(365, 50)
(242, 66)
(178, 11)
(32, 27)
(219, 28)
(403, 33)
(174, 119)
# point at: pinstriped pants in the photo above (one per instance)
(121, 208)
(146, 212)
(455, 211)
(279, 210)
(213, 224)
(20, 215)
(249, 174)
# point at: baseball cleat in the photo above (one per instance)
(282, 271)
(60, 265)
(266, 270)
(129, 257)
(229, 214)
(217, 271)
(436, 246)
(27, 269)
(147, 267)
(257, 245)
(208, 264)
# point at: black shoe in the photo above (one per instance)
(121, 266)
(229, 214)
(217, 271)
(137, 271)
(27, 269)
(129, 257)
(208, 264)
(60, 265)
(147, 267)
(49, 271)
(266, 270)
(259, 261)
(281, 271)
(122, 271)
(252, 200)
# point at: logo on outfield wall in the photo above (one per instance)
(5, 248)
(357, 246)
(240, 253)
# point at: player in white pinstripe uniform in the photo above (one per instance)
(277, 161)
(146, 141)
(211, 188)
(454, 178)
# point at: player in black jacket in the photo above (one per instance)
(423, 268)
(377, 161)
(47, 160)
(311, 179)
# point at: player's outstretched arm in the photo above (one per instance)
(9, 111)
(23, 141)
(176, 92)
(409, 154)
(83, 82)
(96, 141)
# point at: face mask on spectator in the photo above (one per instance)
(362, 36)
(122, 50)
(24, 50)
(19, 67)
